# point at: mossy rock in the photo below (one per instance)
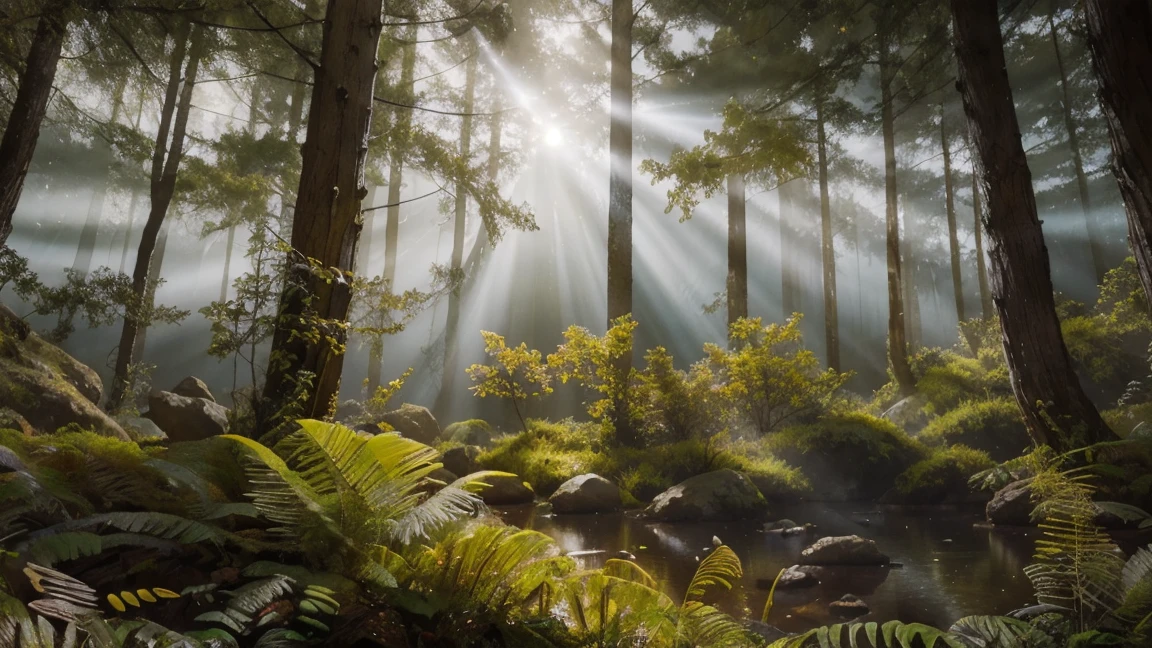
(942, 478)
(994, 426)
(475, 432)
(719, 495)
(851, 457)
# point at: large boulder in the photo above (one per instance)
(1011, 505)
(461, 460)
(505, 490)
(909, 413)
(588, 493)
(473, 432)
(718, 495)
(193, 387)
(187, 419)
(46, 387)
(414, 422)
(843, 550)
(142, 430)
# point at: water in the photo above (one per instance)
(951, 568)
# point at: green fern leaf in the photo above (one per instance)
(720, 569)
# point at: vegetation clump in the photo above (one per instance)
(993, 426)
(942, 477)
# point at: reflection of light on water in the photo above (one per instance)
(674, 543)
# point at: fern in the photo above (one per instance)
(998, 632)
(720, 569)
(893, 634)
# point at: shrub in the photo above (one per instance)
(470, 432)
(548, 454)
(847, 457)
(956, 378)
(595, 363)
(942, 477)
(994, 426)
(675, 405)
(1124, 419)
(516, 374)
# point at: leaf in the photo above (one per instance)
(720, 569)
(629, 571)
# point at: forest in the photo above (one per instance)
(575, 323)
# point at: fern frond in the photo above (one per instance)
(996, 632)
(446, 505)
(720, 569)
(704, 625)
(1137, 569)
(278, 492)
(629, 571)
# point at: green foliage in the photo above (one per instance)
(597, 364)
(515, 374)
(549, 454)
(994, 426)
(948, 379)
(892, 634)
(1122, 300)
(377, 405)
(848, 457)
(471, 432)
(943, 476)
(675, 405)
(768, 380)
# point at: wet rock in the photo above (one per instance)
(1011, 505)
(909, 414)
(849, 607)
(187, 419)
(795, 577)
(10, 420)
(779, 525)
(436, 480)
(414, 422)
(461, 460)
(47, 389)
(588, 493)
(505, 490)
(718, 495)
(142, 430)
(625, 555)
(843, 550)
(193, 387)
(367, 430)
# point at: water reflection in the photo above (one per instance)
(949, 567)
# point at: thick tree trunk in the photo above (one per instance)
(1118, 36)
(165, 166)
(23, 129)
(950, 209)
(392, 220)
(897, 340)
(1095, 238)
(620, 194)
(1055, 407)
(459, 225)
(737, 250)
(326, 222)
(827, 248)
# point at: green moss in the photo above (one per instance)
(1124, 419)
(848, 457)
(471, 432)
(942, 476)
(994, 426)
(548, 454)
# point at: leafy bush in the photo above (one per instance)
(516, 374)
(598, 364)
(848, 457)
(942, 476)
(951, 379)
(548, 454)
(470, 432)
(675, 405)
(994, 426)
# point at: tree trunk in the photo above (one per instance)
(986, 308)
(326, 222)
(87, 245)
(395, 184)
(1055, 407)
(20, 135)
(827, 248)
(1095, 237)
(230, 242)
(897, 341)
(132, 202)
(1118, 36)
(165, 166)
(459, 224)
(155, 268)
(620, 196)
(737, 250)
(950, 209)
(789, 240)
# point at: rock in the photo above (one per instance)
(807, 528)
(474, 432)
(718, 495)
(1011, 505)
(49, 389)
(141, 429)
(843, 550)
(414, 422)
(505, 490)
(10, 420)
(794, 577)
(367, 430)
(193, 387)
(349, 410)
(588, 493)
(849, 607)
(433, 482)
(461, 460)
(187, 419)
(908, 414)
(780, 525)
(625, 555)
(544, 508)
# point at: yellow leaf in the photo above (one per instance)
(164, 593)
(116, 603)
(145, 595)
(130, 598)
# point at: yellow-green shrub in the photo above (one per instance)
(942, 476)
(994, 426)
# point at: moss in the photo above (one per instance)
(1123, 420)
(471, 432)
(848, 457)
(994, 426)
(942, 476)
(548, 454)
(1106, 353)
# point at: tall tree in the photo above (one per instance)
(950, 210)
(307, 347)
(88, 234)
(1056, 409)
(1118, 34)
(737, 283)
(183, 67)
(827, 246)
(28, 110)
(620, 154)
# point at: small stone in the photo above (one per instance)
(849, 607)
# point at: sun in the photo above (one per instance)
(553, 137)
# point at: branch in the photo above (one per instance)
(402, 202)
(293, 46)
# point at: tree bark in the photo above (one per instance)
(1055, 407)
(950, 209)
(986, 308)
(87, 245)
(897, 339)
(459, 225)
(737, 250)
(789, 240)
(1095, 238)
(23, 128)
(327, 221)
(827, 247)
(1118, 37)
(165, 166)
